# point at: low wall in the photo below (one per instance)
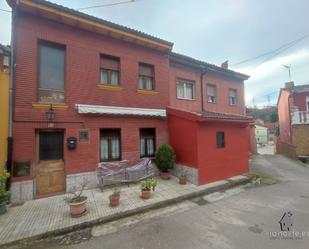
(286, 149)
(301, 139)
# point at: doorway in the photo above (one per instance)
(50, 176)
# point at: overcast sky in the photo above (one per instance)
(218, 30)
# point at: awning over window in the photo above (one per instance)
(116, 110)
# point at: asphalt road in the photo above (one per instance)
(240, 218)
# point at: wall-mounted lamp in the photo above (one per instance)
(50, 114)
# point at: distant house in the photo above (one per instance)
(293, 112)
(261, 135)
(271, 130)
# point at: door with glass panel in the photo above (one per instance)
(110, 145)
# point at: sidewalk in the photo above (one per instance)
(46, 216)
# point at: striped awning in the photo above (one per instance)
(117, 110)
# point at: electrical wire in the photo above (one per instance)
(106, 5)
(272, 51)
(8, 11)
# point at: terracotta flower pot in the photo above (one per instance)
(165, 175)
(78, 209)
(182, 180)
(114, 200)
(146, 194)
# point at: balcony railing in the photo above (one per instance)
(300, 117)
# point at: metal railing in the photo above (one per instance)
(300, 117)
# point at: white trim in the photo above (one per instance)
(117, 110)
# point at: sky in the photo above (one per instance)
(218, 30)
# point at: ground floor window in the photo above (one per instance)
(220, 139)
(110, 145)
(51, 145)
(147, 142)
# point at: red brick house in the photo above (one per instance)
(88, 90)
(293, 113)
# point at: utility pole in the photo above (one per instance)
(268, 100)
(288, 67)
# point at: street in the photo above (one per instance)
(239, 218)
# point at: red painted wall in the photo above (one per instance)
(223, 85)
(284, 117)
(217, 164)
(182, 135)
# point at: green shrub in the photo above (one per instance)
(165, 158)
(4, 195)
(149, 184)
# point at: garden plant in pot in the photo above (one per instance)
(4, 195)
(114, 198)
(183, 179)
(165, 159)
(146, 187)
(78, 202)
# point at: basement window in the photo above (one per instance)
(21, 168)
(220, 139)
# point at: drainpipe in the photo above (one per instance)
(9, 162)
(202, 90)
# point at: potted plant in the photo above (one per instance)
(146, 187)
(4, 195)
(114, 198)
(182, 179)
(165, 159)
(78, 202)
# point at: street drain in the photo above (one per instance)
(200, 201)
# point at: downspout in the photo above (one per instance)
(9, 164)
(202, 90)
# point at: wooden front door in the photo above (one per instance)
(50, 174)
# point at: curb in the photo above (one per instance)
(226, 184)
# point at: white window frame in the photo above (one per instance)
(208, 95)
(184, 83)
(236, 98)
(307, 103)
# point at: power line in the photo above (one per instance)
(8, 11)
(277, 53)
(106, 5)
(272, 51)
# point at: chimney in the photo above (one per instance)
(225, 65)
(289, 85)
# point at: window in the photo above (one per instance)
(21, 168)
(307, 100)
(51, 145)
(185, 89)
(146, 77)
(110, 145)
(212, 93)
(147, 142)
(51, 72)
(233, 97)
(83, 136)
(220, 139)
(109, 69)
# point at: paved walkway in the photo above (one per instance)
(51, 215)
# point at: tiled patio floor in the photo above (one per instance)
(41, 216)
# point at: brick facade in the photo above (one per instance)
(300, 139)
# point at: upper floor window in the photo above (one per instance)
(307, 102)
(233, 96)
(146, 77)
(51, 72)
(212, 93)
(185, 89)
(109, 69)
